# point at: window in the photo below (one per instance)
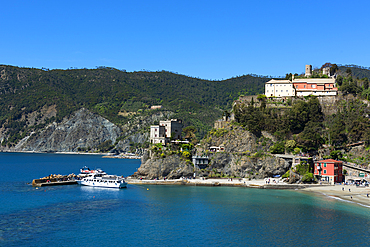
(324, 171)
(281, 90)
(286, 90)
(267, 91)
(277, 90)
(324, 164)
(304, 86)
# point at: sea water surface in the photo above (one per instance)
(162, 215)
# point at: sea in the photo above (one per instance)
(159, 215)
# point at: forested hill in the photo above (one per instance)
(356, 71)
(108, 91)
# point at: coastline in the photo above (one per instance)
(255, 183)
(358, 193)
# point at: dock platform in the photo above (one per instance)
(52, 182)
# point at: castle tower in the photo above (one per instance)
(308, 71)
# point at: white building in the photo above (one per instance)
(279, 88)
(157, 134)
(301, 87)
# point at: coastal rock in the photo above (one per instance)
(171, 167)
(82, 130)
(244, 166)
(243, 156)
(234, 139)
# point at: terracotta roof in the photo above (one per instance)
(329, 161)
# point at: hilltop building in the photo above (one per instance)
(302, 86)
(166, 130)
(308, 71)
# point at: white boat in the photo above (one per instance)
(86, 171)
(101, 179)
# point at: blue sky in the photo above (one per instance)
(206, 39)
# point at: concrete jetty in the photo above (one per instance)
(53, 180)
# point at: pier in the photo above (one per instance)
(54, 180)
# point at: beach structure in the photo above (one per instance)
(200, 161)
(329, 170)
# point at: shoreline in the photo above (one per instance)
(256, 183)
(359, 194)
(104, 155)
(350, 194)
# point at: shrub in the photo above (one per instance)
(278, 148)
(186, 154)
(308, 177)
(286, 175)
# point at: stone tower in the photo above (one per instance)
(308, 71)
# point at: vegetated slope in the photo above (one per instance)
(24, 92)
(357, 71)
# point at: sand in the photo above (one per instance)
(351, 193)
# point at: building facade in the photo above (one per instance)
(173, 128)
(157, 134)
(315, 86)
(301, 87)
(166, 130)
(279, 88)
(329, 170)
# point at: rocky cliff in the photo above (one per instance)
(82, 130)
(245, 155)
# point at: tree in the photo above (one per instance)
(190, 132)
(310, 138)
(339, 80)
(349, 71)
(278, 148)
(366, 83)
(336, 155)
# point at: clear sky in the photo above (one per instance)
(206, 39)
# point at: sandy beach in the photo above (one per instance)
(350, 193)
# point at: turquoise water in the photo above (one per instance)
(162, 215)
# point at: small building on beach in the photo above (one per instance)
(329, 170)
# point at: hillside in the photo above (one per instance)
(357, 71)
(124, 98)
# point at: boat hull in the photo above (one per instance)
(106, 184)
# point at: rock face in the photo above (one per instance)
(234, 139)
(84, 129)
(172, 167)
(244, 155)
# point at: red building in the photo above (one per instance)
(329, 170)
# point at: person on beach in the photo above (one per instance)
(342, 188)
(349, 190)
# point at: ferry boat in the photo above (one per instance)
(102, 179)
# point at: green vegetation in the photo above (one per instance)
(304, 170)
(304, 119)
(108, 92)
(303, 127)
